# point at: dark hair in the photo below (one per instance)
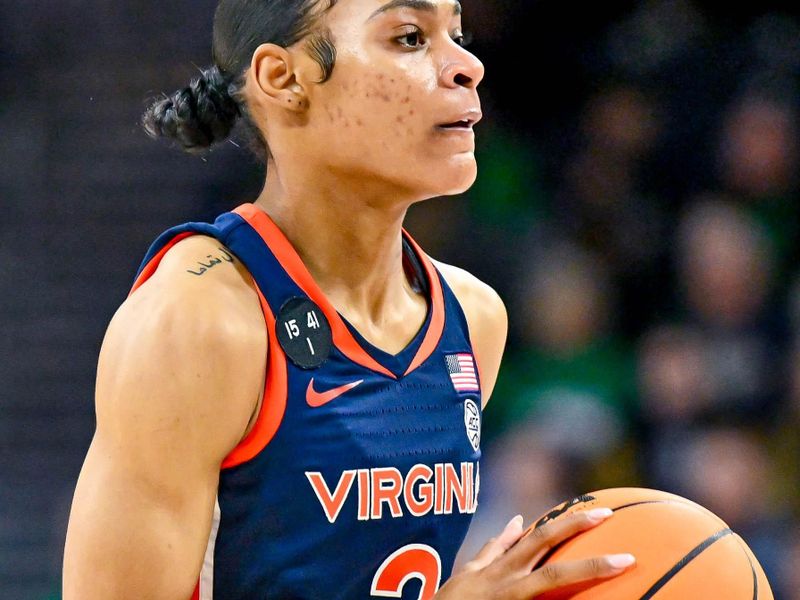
(206, 111)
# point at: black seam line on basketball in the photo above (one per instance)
(741, 543)
(552, 550)
(683, 562)
(649, 502)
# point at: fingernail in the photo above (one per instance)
(598, 514)
(620, 561)
(511, 522)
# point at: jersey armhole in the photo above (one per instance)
(273, 403)
(462, 316)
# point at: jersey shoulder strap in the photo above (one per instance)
(219, 229)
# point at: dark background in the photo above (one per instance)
(602, 184)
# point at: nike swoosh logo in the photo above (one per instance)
(315, 398)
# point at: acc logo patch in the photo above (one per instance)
(472, 423)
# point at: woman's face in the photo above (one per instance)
(400, 74)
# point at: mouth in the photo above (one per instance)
(462, 125)
(462, 122)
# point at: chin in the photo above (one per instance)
(449, 177)
(457, 178)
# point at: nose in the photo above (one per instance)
(463, 69)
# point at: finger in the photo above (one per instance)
(511, 533)
(562, 574)
(497, 545)
(539, 540)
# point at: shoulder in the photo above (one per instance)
(205, 260)
(476, 297)
(200, 273)
(487, 319)
(213, 319)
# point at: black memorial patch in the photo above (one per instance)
(303, 332)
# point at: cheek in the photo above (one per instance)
(377, 106)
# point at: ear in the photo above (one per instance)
(273, 71)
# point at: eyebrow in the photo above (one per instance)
(423, 5)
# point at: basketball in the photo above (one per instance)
(683, 551)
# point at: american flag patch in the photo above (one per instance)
(462, 372)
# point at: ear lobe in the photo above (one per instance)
(272, 68)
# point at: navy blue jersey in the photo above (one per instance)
(360, 476)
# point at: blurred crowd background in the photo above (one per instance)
(636, 207)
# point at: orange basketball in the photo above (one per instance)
(683, 551)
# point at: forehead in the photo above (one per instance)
(364, 11)
(429, 6)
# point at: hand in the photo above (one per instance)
(502, 569)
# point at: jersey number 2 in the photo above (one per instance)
(418, 561)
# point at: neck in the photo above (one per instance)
(349, 237)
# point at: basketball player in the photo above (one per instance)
(288, 402)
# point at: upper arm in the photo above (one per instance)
(487, 320)
(177, 378)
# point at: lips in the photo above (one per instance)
(465, 120)
(466, 124)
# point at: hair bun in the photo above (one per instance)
(196, 116)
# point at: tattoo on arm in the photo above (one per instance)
(213, 262)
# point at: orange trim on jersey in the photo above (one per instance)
(436, 327)
(196, 594)
(293, 264)
(480, 374)
(153, 263)
(273, 405)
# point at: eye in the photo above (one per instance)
(415, 34)
(463, 40)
